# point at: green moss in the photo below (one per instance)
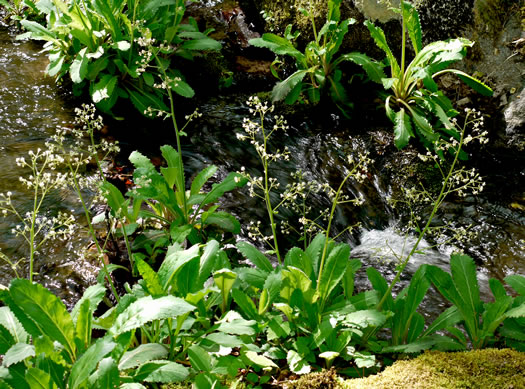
(327, 379)
(492, 15)
(489, 368)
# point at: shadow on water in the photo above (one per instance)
(31, 110)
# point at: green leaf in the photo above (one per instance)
(402, 129)
(11, 323)
(283, 88)
(334, 270)
(373, 69)
(450, 317)
(413, 26)
(423, 126)
(147, 309)
(225, 340)
(161, 371)
(260, 360)
(225, 221)
(380, 40)
(106, 376)
(6, 340)
(379, 283)
(88, 362)
(516, 312)
(94, 294)
(207, 262)
(232, 181)
(297, 364)
(464, 277)
(18, 353)
(255, 256)
(39, 379)
(349, 277)
(234, 324)
(83, 326)
(279, 45)
(173, 264)
(182, 88)
(142, 354)
(201, 178)
(37, 31)
(412, 348)
(104, 88)
(79, 67)
(246, 305)
(150, 278)
(46, 310)
(517, 282)
(204, 43)
(115, 199)
(365, 318)
(200, 359)
(474, 83)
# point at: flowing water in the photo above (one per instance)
(31, 110)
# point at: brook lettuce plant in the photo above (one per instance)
(318, 68)
(416, 106)
(109, 47)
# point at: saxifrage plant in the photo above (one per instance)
(416, 106)
(319, 67)
(115, 48)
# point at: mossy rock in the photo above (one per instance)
(489, 368)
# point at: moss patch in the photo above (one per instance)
(489, 368)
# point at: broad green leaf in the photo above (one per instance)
(283, 88)
(494, 314)
(497, 288)
(182, 88)
(464, 277)
(334, 269)
(18, 353)
(37, 31)
(379, 283)
(414, 347)
(517, 282)
(296, 363)
(94, 294)
(224, 279)
(83, 326)
(132, 385)
(106, 375)
(402, 129)
(234, 324)
(11, 323)
(200, 359)
(147, 309)
(207, 261)
(46, 310)
(115, 199)
(349, 277)
(365, 318)
(39, 379)
(201, 178)
(298, 258)
(423, 126)
(224, 340)
(173, 263)
(225, 221)
(314, 250)
(253, 277)
(254, 256)
(246, 305)
(104, 88)
(88, 362)
(79, 67)
(204, 43)
(140, 161)
(142, 354)
(373, 69)
(260, 360)
(161, 371)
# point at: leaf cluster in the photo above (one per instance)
(117, 48)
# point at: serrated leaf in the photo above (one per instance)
(413, 26)
(201, 178)
(373, 69)
(516, 312)
(39, 379)
(18, 353)
(402, 129)
(9, 321)
(254, 256)
(142, 354)
(150, 278)
(147, 309)
(94, 294)
(381, 42)
(283, 88)
(517, 282)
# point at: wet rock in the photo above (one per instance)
(515, 115)
(376, 10)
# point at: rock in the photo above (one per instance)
(515, 115)
(377, 10)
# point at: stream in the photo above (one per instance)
(33, 108)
